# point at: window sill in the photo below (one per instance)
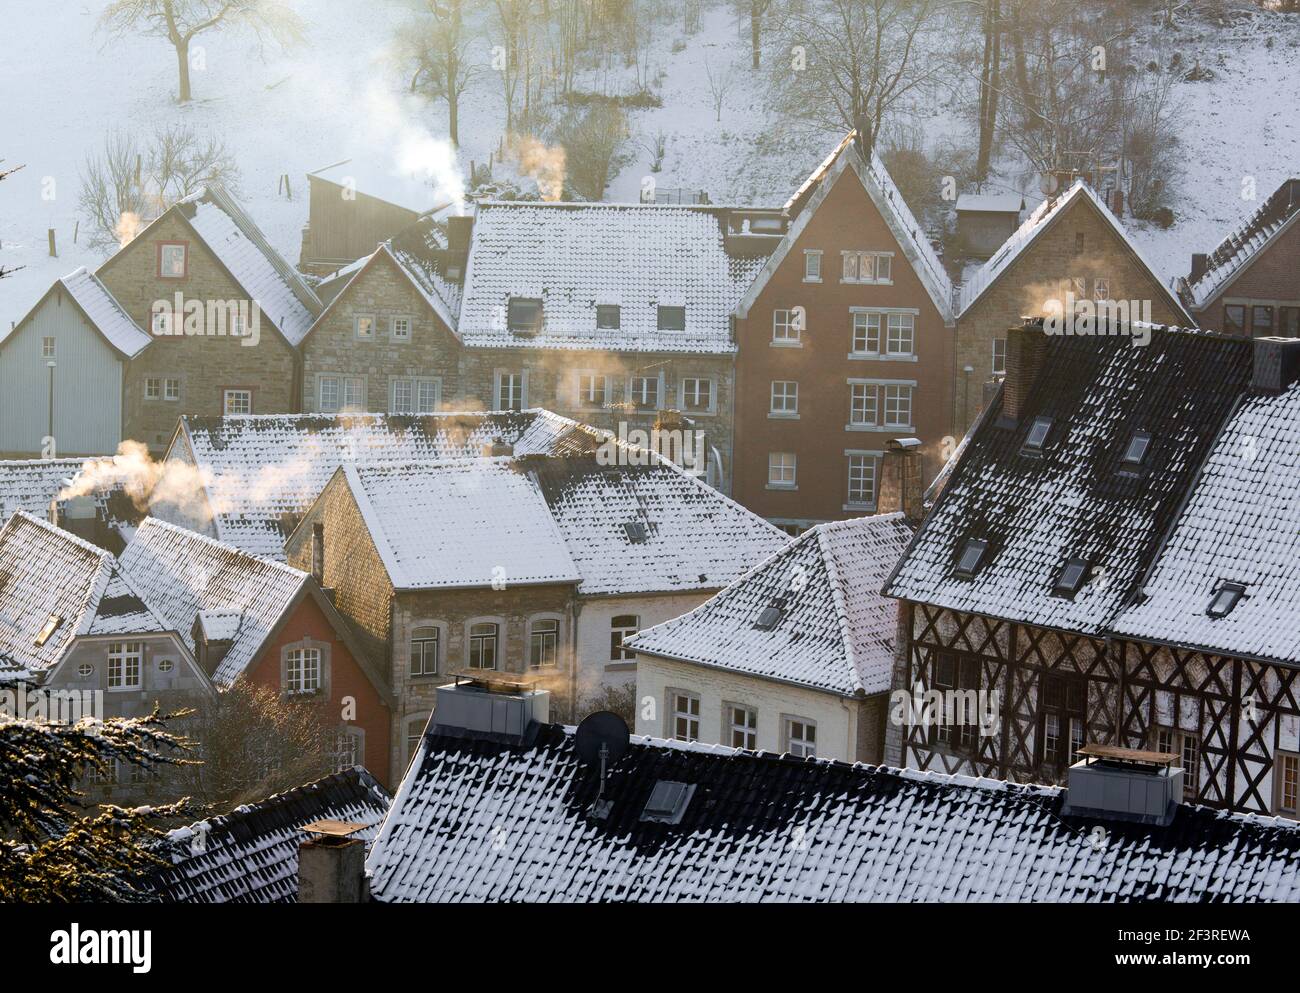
(869, 508)
(773, 415)
(866, 282)
(881, 428)
(785, 487)
(784, 343)
(876, 357)
(125, 689)
(808, 279)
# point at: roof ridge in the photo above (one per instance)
(192, 535)
(841, 608)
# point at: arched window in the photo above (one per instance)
(426, 647)
(483, 641)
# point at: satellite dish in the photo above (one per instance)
(601, 729)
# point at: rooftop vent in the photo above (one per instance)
(1277, 364)
(971, 558)
(1224, 599)
(668, 802)
(491, 705)
(1124, 784)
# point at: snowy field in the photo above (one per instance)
(338, 96)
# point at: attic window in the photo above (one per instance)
(1071, 577)
(672, 318)
(636, 532)
(525, 315)
(1225, 599)
(767, 620)
(1136, 452)
(50, 627)
(668, 802)
(609, 316)
(971, 558)
(1037, 438)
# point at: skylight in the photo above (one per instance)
(1070, 577)
(524, 315)
(668, 802)
(1225, 599)
(50, 627)
(1037, 439)
(768, 618)
(635, 531)
(971, 558)
(1135, 454)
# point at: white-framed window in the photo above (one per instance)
(125, 660)
(787, 325)
(898, 406)
(413, 396)
(781, 470)
(621, 628)
(643, 391)
(340, 393)
(866, 333)
(685, 716)
(785, 397)
(812, 266)
(863, 467)
(511, 390)
(171, 389)
(237, 401)
(1101, 289)
(864, 404)
(152, 388)
(999, 356)
(329, 393)
(800, 737)
(484, 641)
(302, 671)
(399, 329)
(345, 749)
(593, 389)
(364, 325)
(1286, 783)
(697, 394)
(1187, 746)
(743, 724)
(867, 267)
(85, 670)
(881, 404)
(47, 347)
(544, 643)
(900, 336)
(426, 651)
(171, 261)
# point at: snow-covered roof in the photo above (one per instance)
(1073, 500)
(183, 574)
(255, 469)
(51, 578)
(576, 256)
(414, 191)
(1241, 525)
(32, 485)
(1040, 220)
(250, 855)
(418, 250)
(229, 233)
(762, 827)
(105, 313)
(1240, 249)
(991, 203)
(835, 630)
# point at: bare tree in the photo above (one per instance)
(594, 140)
(720, 83)
(181, 21)
(437, 46)
(4, 174)
(990, 85)
(757, 10)
(514, 19)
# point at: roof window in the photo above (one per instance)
(672, 318)
(668, 802)
(971, 558)
(769, 617)
(1135, 455)
(1071, 577)
(524, 315)
(1224, 599)
(635, 531)
(1036, 440)
(50, 627)
(609, 316)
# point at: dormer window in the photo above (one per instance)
(1071, 577)
(524, 315)
(1224, 599)
(971, 558)
(48, 629)
(1135, 454)
(609, 316)
(672, 318)
(1037, 437)
(768, 619)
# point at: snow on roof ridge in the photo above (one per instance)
(841, 609)
(57, 531)
(1217, 275)
(216, 543)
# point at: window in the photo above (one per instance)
(593, 390)
(672, 318)
(400, 329)
(1288, 322)
(166, 665)
(510, 391)
(172, 260)
(744, 726)
(345, 751)
(237, 401)
(898, 406)
(524, 316)
(697, 394)
(1234, 319)
(1136, 452)
(953, 674)
(635, 531)
(786, 326)
(800, 737)
(901, 334)
(544, 643)
(1286, 780)
(171, 389)
(971, 558)
(609, 316)
(1062, 727)
(862, 479)
(47, 348)
(866, 333)
(413, 396)
(1071, 577)
(1261, 321)
(85, 670)
(365, 326)
(863, 405)
(1187, 746)
(1224, 599)
(1037, 437)
(769, 617)
(483, 646)
(1078, 243)
(414, 732)
(999, 356)
(152, 388)
(302, 671)
(785, 397)
(867, 267)
(781, 470)
(340, 393)
(621, 628)
(1101, 289)
(643, 391)
(812, 266)
(51, 625)
(124, 658)
(425, 651)
(686, 717)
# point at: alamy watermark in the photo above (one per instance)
(947, 708)
(207, 318)
(634, 446)
(52, 706)
(1085, 318)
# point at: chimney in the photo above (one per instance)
(80, 516)
(1124, 784)
(332, 863)
(498, 447)
(318, 554)
(900, 480)
(459, 229)
(1277, 364)
(1026, 346)
(499, 706)
(1200, 262)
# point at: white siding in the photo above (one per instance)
(595, 668)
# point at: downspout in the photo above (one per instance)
(575, 608)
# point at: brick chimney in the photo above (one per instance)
(900, 480)
(1200, 262)
(1026, 347)
(1277, 364)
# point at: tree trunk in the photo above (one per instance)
(990, 82)
(755, 28)
(183, 67)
